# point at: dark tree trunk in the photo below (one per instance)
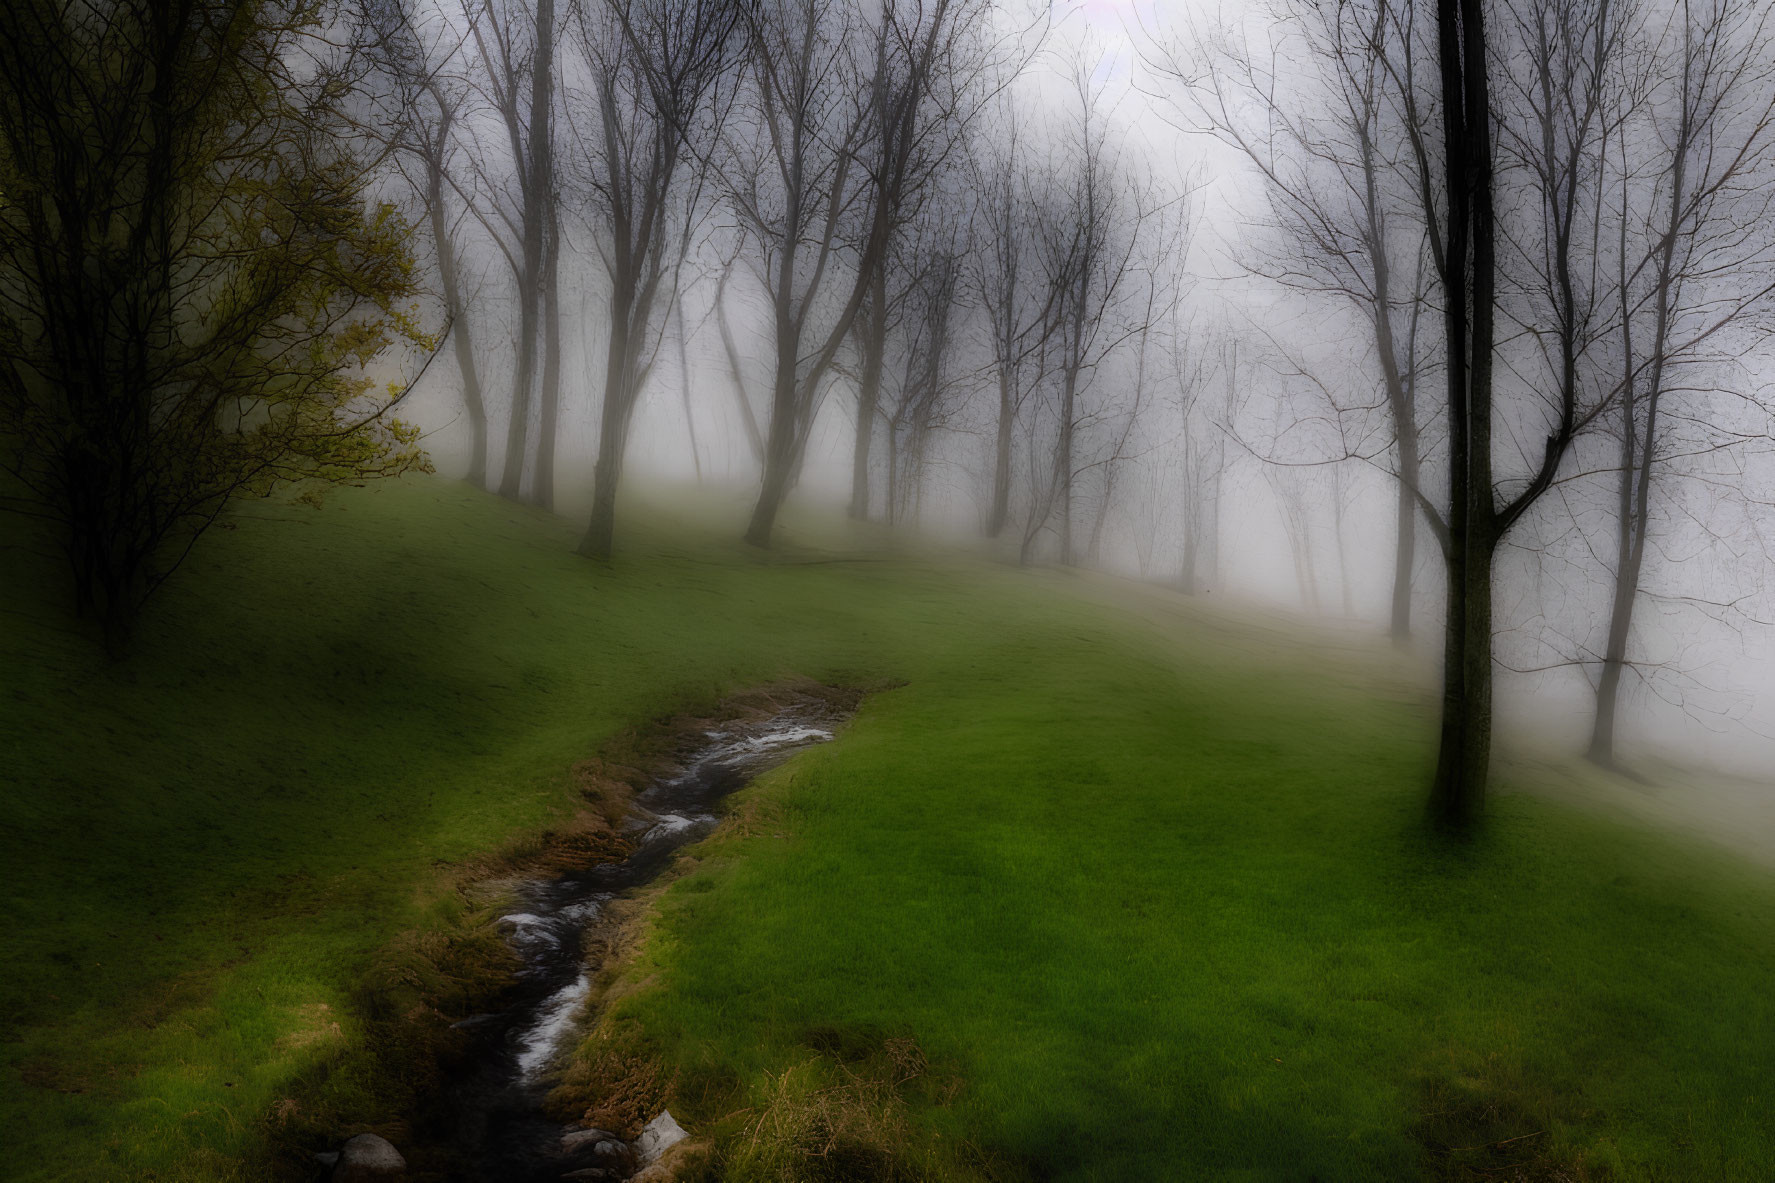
(1630, 536)
(1469, 269)
(754, 437)
(612, 431)
(781, 445)
(1464, 755)
(770, 499)
(110, 584)
(869, 390)
(1614, 662)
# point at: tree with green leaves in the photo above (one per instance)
(194, 293)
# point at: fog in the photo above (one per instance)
(888, 589)
(1230, 430)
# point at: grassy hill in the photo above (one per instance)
(1099, 884)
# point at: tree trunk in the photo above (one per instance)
(1463, 759)
(1400, 393)
(511, 476)
(754, 437)
(1638, 451)
(1343, 559)
(1464, 755)
(916, 475)
(108, 581)
(1637, 454)
(1063, 463)
(893, 474)
(869, 391)
(1614, 662)
(1402, 403)
(770, 499)
(780, 446)
(613, 429)
(1208, 578)
(1404, 543)
(543, 491)
(462, 337)
(1001, 465)
(1094, 548)
(696, 458)
(1300, 543)
(537, 182)
(1189, 558)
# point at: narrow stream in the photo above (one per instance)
(497, 1130)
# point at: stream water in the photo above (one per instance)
(495, 1124)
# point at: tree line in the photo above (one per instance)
(222, 225)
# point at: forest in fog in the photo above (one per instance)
(1153, 289)
(1447, 321)
(887, 591)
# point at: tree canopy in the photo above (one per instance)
(194, 291)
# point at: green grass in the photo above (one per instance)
(1145, 882)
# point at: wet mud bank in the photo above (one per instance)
(489, 1118)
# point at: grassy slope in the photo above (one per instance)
(1155, 892)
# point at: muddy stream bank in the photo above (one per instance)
(490, 1123)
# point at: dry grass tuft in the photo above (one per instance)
(614, 1084)
(823, 1121)
(1484, 1119)
(318, 1024)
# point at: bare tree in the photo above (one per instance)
(736, 373)
(696, 457)
(1128, 443)
(1203, 422)
(838, 98)
(1291, 485)
(1445, 126)
(1089, 225)
(192, 283)
(793, 182)
(427, 105)
(435, 145)
(657, 68)
(1151, 492)
(927, 323)
(1695, 253)
(921, 95)
(1318, 114)
(1004, 279)
(1465, 248)
(516, 64)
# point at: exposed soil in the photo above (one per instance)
(490, 1119)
